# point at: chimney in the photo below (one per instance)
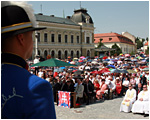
(40, 13)
(68, 17)
(52, 16)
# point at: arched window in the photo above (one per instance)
(45, 54)
(38, 52)
(66, 54)
(78, 54)
(53, 54)
(59, 54)
(88, 53)
(71, 54)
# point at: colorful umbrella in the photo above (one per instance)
(111, 66)
(127, 55)
(131, 71)
(53, 63)
(82, 57)
(105, 57)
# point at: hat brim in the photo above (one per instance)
(13, 33)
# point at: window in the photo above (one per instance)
(77, 54)
(66, 38)
(45, 37)
(39, 52)
(110, 38)
(59, 38)
(66, 54)
(71, 54)
(52, 38)
(53, 54)
(38, 37)
(59, 54)
(77, 39)
(71, 38)
(45, 54)
(87, 40)
(88, 53)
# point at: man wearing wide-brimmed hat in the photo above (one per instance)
(24, 95)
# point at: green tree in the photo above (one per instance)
(139, 43)
(147, 51)
(117, 51)
(100, 43)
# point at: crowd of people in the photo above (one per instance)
(98, 79)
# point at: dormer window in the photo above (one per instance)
(87, 19)
(110, 38)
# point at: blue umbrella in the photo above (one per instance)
(58, 70)
(115, 71)
(111, 66)
(62, 67)
(125, 64)
(106, 60)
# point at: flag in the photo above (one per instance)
(64, 99)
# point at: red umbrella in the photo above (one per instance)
(95, 72)
(74, 70)
(80, 60)
(104, 70)
(127, 55)
(105, 57)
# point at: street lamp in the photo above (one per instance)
(36, 43)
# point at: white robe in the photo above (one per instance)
(141, 106)
(130, 95)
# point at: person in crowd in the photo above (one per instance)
(125, 85)
(68, 86)
(118, 84)
(88, 90)
(139, 88)
(56, 88)
(128, 100)
(40, 73)
(96, 85)
(143, 79)
(103, 88)
(111, 87)
(79, 90)
(141, 102)
(62, 84)
(133, 82)
(23, 95)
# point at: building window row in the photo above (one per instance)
(60, 38)
(60, 54)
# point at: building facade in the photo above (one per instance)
(109, 39)
(71, 36)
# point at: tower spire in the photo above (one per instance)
(80, 4)
(41, 8)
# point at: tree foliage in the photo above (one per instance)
(117, 51)
(139, 43)
(100, 44)
(147, 51)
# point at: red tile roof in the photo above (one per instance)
(146, 44)
(112, 38)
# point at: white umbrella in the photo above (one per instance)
(110, 62)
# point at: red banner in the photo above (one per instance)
(64, 99)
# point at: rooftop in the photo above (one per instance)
(111, 38)
(53, 19)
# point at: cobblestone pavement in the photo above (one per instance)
(109, 109)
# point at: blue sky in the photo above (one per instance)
(108, 16)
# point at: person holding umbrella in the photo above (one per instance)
(24, 95)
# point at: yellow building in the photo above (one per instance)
(71, 36)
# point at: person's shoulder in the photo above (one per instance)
(36, 82)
